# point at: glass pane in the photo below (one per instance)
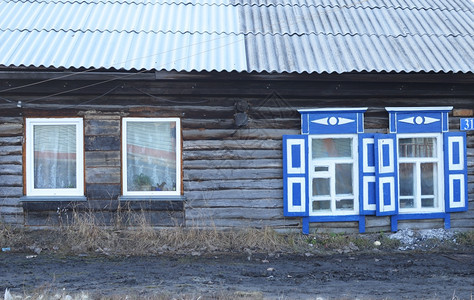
(427, 202)
(417, 147)
(321, 169)
(427, 178)
(407, 203)
(345, 204)
(151, 156)
(55, 156)
(322, 205)
(406, 176)
(343, 179)
(321, 187)
(323, 148)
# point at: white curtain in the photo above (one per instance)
(54, 156)
(151, 156)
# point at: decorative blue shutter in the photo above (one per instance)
(455, 171)
(386, 172)
(295, 180)
(367, 174)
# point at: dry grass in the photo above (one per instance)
(133, 235)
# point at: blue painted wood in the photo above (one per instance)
(386, 173)
(295, 175)
(366, 174)
(394, 223)
(418, 120)
(447, 221)
(361, 224)
(455, 171)
(349, 218)
(305, 225)
(332, 121)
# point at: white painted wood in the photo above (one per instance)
(302, 168)
(451, 179)
(391, 206)
(302, 182)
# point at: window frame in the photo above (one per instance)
(178, 165)
(332, 161)
(29, 157)
(439, 199)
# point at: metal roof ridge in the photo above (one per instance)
(178, 2)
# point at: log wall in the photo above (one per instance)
(232, 126)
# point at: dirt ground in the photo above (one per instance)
(374, 275)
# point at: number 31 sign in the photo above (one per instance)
(467, 123)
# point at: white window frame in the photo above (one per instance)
(331, 175)
(439, 198)
(125, 191)
(29, 157)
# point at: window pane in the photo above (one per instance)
(427, 202)
(407, 203)
(321, 205)
(151, 156)
(323, 148)
(406, 175)
(343, 178)
(55, 156)
(345, 204)
(427, 178)
(321, 187)
(417, 147)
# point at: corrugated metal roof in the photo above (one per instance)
(225, 19)
(240, 35)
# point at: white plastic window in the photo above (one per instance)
(151, 149)
(54, 157)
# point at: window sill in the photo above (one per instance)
(53, 203)
(167, 203)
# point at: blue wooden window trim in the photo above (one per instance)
(378, 185)
(295, 175)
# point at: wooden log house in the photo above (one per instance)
(199, 126)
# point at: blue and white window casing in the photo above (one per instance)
(334, 171)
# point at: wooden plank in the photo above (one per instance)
(96, 191)
(241, 223)
(231, 144)
(421, 224)
(224, 155)
(220, 134)
(11, 129)
(102, 159)
(14, 220)
(104, 143)
(102, 127)
(233, 194)
(234, 213)
(10, 150)
(233, 163)
(11, 192)
(232, 174)
(10, 169)
(9, 210)
(237, 202)
(11, 180)
(11, 159)
(232, 184)
(10, 201)
(103, 175)
(14, 140)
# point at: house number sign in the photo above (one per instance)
(467, 123)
